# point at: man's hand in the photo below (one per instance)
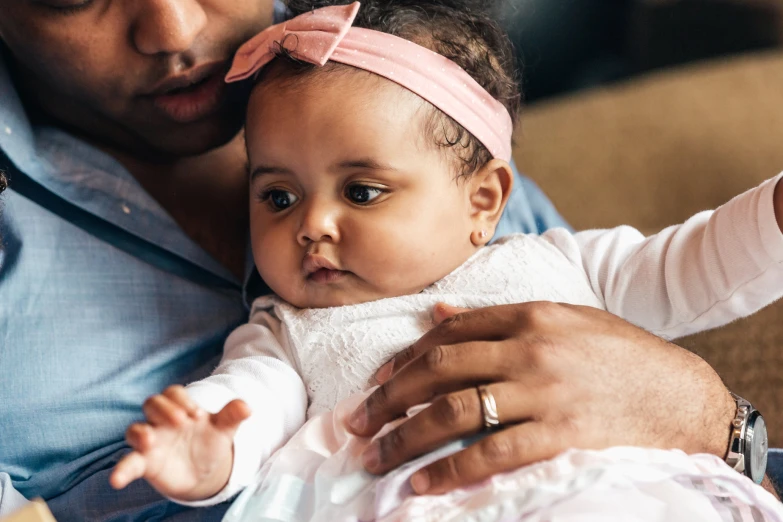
(563, 377)
(182, 451)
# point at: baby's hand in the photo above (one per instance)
(182, 451)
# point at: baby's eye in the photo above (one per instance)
(279, 199)
(362, 194)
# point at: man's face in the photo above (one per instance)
(144, 75)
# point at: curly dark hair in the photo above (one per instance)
(462, 31)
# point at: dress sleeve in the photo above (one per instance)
(258, 366)
(715, 268)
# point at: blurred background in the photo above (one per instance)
(567, 45)
(644, 112)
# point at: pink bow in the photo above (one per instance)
(311, 37)
(326, 34)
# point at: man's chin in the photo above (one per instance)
(193, 139)
(196, 143)
(170, 139)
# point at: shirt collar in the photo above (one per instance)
(16, 134)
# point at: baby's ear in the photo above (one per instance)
(490, 189)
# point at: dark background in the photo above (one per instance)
(567, 45)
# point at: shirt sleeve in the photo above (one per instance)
(715, 268)
(258, 366)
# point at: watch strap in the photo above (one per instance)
(736, 454)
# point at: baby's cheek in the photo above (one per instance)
(414, 267)
(400, 254)
(273, 259)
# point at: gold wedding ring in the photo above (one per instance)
(489, 408)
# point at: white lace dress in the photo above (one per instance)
(293, 364)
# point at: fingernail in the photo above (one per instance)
(420, 482)
(372, 457)
(385, 372)
(440, 313)
(358, 420)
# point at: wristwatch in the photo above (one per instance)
(748, 445)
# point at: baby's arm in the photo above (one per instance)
(714, 268)
(193, 447)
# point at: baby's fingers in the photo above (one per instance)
(180, 397)
(130, 468)
(231, 415)
(162, 411)
(140, 437)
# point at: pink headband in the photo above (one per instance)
(326, 34)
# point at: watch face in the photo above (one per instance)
(756, 445)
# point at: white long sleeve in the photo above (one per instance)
(258, 366)
(713, 269)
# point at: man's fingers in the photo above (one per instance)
(484, 324)
(440, 313)
(499, 452)
(495, 323)
(130, 468)
(231, 415)
(456, 415)
(180, 397)
(162, 411)
(441, 370)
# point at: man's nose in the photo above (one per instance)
(319, 223)
(167, 26)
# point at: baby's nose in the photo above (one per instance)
(319, 223)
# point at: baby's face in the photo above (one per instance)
(350, 202)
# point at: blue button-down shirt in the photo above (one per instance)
(88, 331)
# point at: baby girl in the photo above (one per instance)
(379, 138)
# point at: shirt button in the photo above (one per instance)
(126, 208)
(8, 131)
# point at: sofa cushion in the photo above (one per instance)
(652, 152)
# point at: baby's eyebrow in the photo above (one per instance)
(364, 163)
(261, 170)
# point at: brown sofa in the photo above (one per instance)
(654, 151)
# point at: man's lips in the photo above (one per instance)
(192, 96)
(194, 75)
